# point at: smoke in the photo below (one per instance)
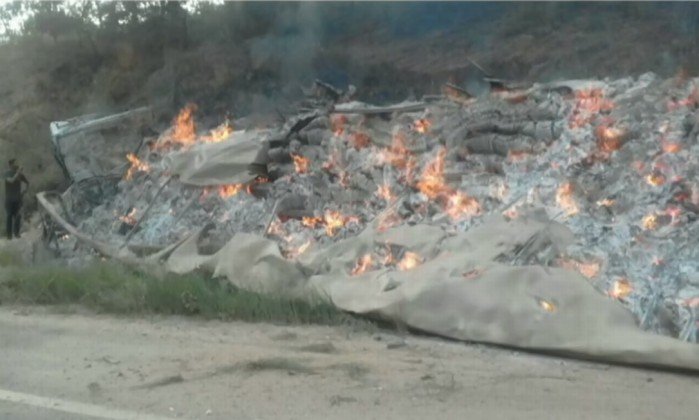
(291, 46)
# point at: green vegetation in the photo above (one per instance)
(112, 288)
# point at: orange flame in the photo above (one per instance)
(295, 252)
(588, 103)
(621, 289)
(137, 165)
(422, 125)
(669, 147)
(432, 181)
(456, 203)
(399, 156)
(311, 222)
(588, 269)
(334, 221)
(384, 192)
(363, 264)
(650, 222)
(565, 199)
(409, 261)
(609, 138)
(655, 179)
(226, 191)
(301, 164)
(460, 205)
(547, 306)
(219, 133)
(185, 129)
(607, 202)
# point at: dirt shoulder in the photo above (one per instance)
(184, 368)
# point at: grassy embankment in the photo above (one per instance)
(112, 288)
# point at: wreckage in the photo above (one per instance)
(554, 217)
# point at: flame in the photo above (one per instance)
(137, 165)
(130, 218)
(334, 220)
(460, 205)
(588, 269)
(422, 125)
(360, 140)
(655, 179)
(384, 192)
(338, 123)
(607, 202)
(184, 127)
(650, 222)
(294, 252)
(588, 103)
(609, 138)
(565, 200)
(219, 133)
(363, 264)
(669, 147)
(456, 203)
(432, 180)
(409, 261)
(547, 306)
(399, 156)
(621, 289)
(227, 191)
(311, 222)
(301, 164)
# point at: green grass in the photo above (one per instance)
(112, 288)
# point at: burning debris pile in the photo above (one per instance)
(613, 161)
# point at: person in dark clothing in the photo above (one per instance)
(13, 198)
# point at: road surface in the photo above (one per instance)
(70, 364)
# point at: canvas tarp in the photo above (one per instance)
(222, 163)
(461, 291)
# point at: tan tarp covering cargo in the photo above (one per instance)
(461, 291)
(221, 163)
(531, 307)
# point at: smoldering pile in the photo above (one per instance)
(615, 161)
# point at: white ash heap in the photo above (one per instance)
(595, 181)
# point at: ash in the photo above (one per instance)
(614, 160)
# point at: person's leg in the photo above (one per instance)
(8, 220)
(17, 219)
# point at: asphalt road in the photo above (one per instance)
(77, 365)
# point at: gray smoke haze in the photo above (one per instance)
(291, 45)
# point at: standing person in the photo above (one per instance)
(13, 198)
